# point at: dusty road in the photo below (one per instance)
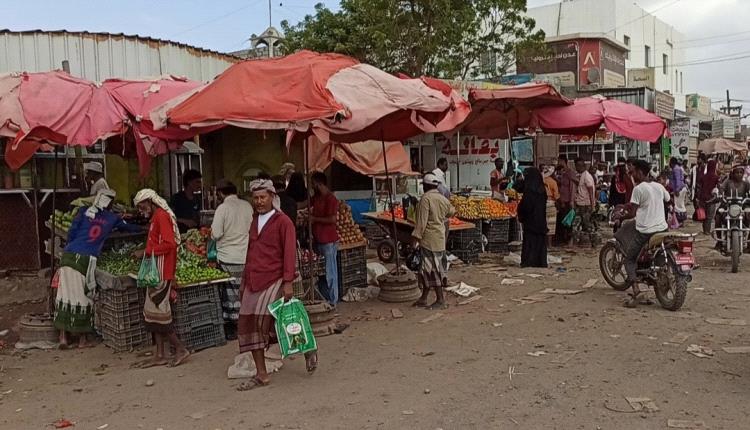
(567, 363)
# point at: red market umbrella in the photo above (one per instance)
(138, 98)
(586, 115)
(363, 157)
(60, 109)
(331, 95)
(498, 113)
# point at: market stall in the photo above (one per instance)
(118, 311)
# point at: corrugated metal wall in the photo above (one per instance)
(98, 56)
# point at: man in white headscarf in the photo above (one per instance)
(161, 246)
(75, 278)
(270, 270)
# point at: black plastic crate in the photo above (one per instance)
(497, 230)
(119, 319)
(188, 318)
(122, 299)
(513, 230)
(126, 340)
(188, 296)
(498, 248)
(470, 256)
(203, 337)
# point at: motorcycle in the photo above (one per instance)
(732, 237)
(665, 263)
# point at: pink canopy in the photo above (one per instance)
(498, 112)
(363, 157)
(586, 115)
(59, 109)
(138, 98)
(331, 95)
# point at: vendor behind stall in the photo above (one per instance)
(186, 204)
(230, 229)
(95, 177)
(323, 213)
(75, 277)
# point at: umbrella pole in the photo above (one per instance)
(593, 147)
(313, 287)
(394, 231)
(458, 161)
(50, 299)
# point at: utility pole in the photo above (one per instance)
(270, 20)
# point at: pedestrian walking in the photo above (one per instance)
(269, 273)
(584, 198)
(433, 210)
(532, 214)
(707, 182)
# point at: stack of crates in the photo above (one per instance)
(352, 267)
(198, 317)
(497, 234)
(119, 318)
(466, 244)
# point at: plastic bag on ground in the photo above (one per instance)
(374, 271)
(244, 366)
(293, 328)
(462, 289)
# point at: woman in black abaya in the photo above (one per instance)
(532, 213)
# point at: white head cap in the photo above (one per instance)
(93, 166)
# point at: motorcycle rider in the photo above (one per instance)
(647, 207)
(735, 185)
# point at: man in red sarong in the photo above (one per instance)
(269, 273)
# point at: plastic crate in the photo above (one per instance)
(203, 337)
(467, 256)
(119, 319)
(188, 318)
(126, 340)
(122, 299)
(188, 296)
(352, 268)
(496, 231)
(513, 230)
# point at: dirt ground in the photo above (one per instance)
(567, 363)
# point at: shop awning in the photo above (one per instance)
(499, 113)
(58, 109)
(721, 146)
(363, 157)
(333, 96)
(138, 98)
(586, 115)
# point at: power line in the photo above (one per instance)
(645, 15)
(218, 18)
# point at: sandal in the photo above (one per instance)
(437, 306)
(419, 304)
(311, 362)
(252, 384)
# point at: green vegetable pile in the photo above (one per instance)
(192, 268)
(119, 262)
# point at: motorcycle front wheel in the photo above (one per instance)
(671, 288)
(612, 266)
(736, 250)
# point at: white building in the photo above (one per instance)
(653, 43)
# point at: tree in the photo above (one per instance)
(442, 38)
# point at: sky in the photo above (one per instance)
(226, 25)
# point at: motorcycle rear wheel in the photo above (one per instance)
(673, 296)
(612, 266)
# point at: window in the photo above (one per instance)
(664, 62)
(626, 41)
(488, 63)
(681, 83)
(647, 62)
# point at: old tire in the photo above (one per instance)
(612, 266)
(736, 250)
(386, 251)
(673, 298)
(400, 296)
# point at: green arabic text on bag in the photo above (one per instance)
(293, 328)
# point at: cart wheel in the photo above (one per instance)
(386, 251)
